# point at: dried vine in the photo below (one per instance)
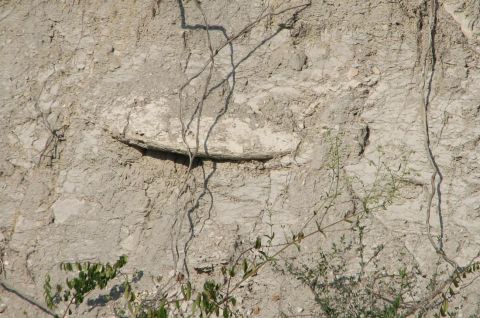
(185, 126)
(436, 179)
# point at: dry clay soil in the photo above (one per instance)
(97, 124)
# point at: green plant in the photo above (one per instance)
(91, 276)
(348, 290)
(362, 288)
(452, 287)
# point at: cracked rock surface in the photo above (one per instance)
(92, 158)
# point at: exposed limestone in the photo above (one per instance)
(334, 88)
(157, 126)
(467, 14)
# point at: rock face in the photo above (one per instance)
(465, 13)
(157, 126)
(101, 102)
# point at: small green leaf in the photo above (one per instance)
(444, 308)
(127, 294)
(121, 262)
(162, 312)
(188, 291)
(442, 313)
(258, 243)
(450, 290)
(226, 313)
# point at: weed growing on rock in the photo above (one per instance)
(91, 276)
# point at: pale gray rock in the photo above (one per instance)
(67, 208)
(156, 126)
(92, 158)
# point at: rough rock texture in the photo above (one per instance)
(93, 161)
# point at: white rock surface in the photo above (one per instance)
(157, 126)
(78, 77)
